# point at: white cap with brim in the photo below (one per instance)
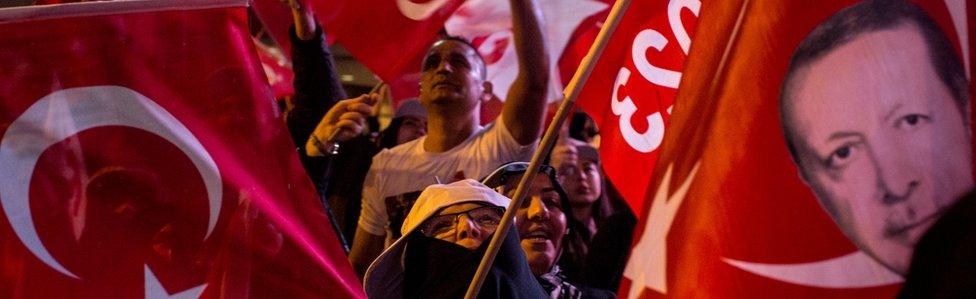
(384, 278)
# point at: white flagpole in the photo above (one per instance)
(548, 140)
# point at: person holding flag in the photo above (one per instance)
(444, 237)
(452, 89)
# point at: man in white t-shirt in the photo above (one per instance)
(452, 88)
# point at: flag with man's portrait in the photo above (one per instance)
(820, 185)
(143, 155)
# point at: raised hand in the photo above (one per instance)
(343, 122)
(304, 19)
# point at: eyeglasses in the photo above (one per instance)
(486, 217)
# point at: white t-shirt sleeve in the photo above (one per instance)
(373, 217)
(503, 145)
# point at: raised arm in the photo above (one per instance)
(317, 86)
(525, 104)
(304, 20)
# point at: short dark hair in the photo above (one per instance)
(483, 70)
(866, 17)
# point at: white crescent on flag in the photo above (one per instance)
(419, 11)
(67, 112)
(854, 270)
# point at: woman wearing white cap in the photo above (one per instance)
(445, 235)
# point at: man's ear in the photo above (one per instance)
(486, 91)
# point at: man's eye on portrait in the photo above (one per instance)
(911, 121)
(841, 156)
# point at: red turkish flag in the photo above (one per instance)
(143, 156)
(387, 36)
(728, 214)
(632, 89)
(277, 68)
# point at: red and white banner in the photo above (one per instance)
(631, 92)
(143, 156)
(277, 68)
(875, 127)
(569, 25)
(487, 23)
(387, 36)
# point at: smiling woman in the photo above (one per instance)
(545, 230)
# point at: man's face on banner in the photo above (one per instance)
(881, 140)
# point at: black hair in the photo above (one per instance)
(574, 247)
(388, 137)
(578, 128)
(483, 70)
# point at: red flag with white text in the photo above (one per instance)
(811, 145)
(631, 91)
(144, 156)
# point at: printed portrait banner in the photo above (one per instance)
(871, 113)
(144, 156)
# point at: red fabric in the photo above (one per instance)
(277, 68)
(619, 156)
(746, 202)
(117, 202)
(377, 32)
(44, 2)
(276, 18)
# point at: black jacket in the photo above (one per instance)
(944, 262)
(439, 269)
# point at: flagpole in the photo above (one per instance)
(548, 140)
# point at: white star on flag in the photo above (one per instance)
(647, 267)
(155, 290)
(491, 19)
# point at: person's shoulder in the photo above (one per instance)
(404, 149)
(492, 128)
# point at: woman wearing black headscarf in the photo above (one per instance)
(444, 238)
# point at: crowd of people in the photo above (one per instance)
(420, 199)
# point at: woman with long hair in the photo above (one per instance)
(549, 237)
(608, 221)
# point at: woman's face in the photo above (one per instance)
(465, 224)
(541, 223)
(582, 181)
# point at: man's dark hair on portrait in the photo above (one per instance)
(847, 25)
(866, 17)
